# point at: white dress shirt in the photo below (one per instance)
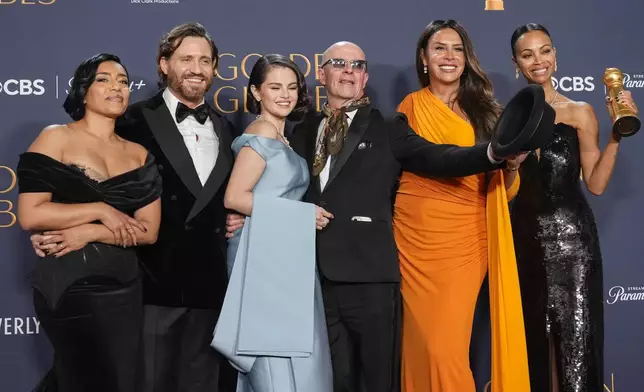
(200, 140)
(324, 174)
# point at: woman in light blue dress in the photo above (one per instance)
(272, 326)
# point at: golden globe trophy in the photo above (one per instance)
(625, 121)
(494, 5)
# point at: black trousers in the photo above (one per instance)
(177, 352)
(363, 321)
(95, 332)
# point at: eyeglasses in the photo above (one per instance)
(356, 65)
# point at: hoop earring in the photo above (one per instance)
(517, 76)
(425, 69)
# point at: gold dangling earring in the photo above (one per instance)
(517, 73)
(555, 65)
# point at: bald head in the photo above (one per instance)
(342, 47)
(344, 79)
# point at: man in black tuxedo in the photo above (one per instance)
(185, 274)
(356, 157)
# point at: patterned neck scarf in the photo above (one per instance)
(335, 132)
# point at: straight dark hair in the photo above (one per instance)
(526, 28)
(475, 95)
(258, 76)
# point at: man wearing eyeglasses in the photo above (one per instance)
(356, 156)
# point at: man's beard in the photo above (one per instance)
(190, 93)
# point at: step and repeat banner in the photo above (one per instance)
(44, 40)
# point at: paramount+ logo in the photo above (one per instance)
(27, 2)
(22, 86)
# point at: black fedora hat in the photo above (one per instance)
(525, 124)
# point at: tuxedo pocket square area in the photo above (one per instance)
(364, 145)
(361, 219)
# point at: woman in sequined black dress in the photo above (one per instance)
(556, 240)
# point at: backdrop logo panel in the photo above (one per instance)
(632, 81)
(135, 85)
(231, 86)
(10, 326)
(22, 87)
(27, 2)
(574, 83)
(154, 1)
(7, 183)
(625, 294)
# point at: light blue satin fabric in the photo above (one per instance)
(272, 326)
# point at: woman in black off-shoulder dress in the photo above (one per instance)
(95, 196)
(556, 240)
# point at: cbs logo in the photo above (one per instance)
(573, 83)
(22, 87)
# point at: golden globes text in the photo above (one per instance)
(7, 183)
(231, 80)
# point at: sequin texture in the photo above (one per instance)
(560, 268)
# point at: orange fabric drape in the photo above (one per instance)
(449, 232)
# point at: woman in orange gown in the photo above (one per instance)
(450, 232)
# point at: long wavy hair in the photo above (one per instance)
(475, 94)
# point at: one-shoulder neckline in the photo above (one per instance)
(70, 167)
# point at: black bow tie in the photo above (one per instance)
(200, 113)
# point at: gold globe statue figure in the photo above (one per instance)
(625, 122)
(494, 5)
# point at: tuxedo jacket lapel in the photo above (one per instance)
(220, 171)
(167, 135)
(356, 130)
(311, 144)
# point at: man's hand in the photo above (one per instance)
(67, 240)
(234, 222)
(37, 243)
(514, 161)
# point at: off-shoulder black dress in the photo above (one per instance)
(89, 301)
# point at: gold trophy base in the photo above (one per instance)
(627, 125)
(494, 5)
